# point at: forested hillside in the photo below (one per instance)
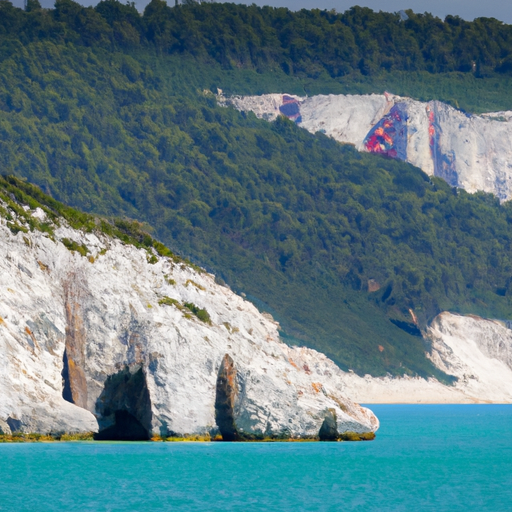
(306, 42)
(104, 110)
(468, 64)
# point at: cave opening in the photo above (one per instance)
(126, 427)
(124, 407)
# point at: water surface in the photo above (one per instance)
(425, 458)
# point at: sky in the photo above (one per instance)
(467, 9)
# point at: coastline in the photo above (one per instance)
(89, 437)
(417, 391)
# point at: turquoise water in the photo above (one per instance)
(425, 458)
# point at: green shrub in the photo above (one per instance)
(167, 301)
(16, 228)
(170, 281)
(75, 247)
(201, 313)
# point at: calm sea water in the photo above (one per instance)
(425, 458)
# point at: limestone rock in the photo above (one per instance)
(477, 351)
(468, 151)
(116, 342)
(5, 429)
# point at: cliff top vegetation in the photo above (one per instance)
(17, 194)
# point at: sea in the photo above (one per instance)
(425, 458)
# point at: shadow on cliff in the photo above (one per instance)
(124, 407)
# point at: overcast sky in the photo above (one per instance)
(467, 9)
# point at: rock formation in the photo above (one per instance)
(468, 151)
(329, 428)
(476, 351)
(99, 335)
(225, 399)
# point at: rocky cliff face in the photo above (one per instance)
(477, 351)
(98, 335)
(468, 151)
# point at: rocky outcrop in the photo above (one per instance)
(468, 151)
(5, 429)
(225, 398)
(99, 335)
(476, 351)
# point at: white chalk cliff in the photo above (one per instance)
(118, 339)
(477, 351)
(109, 341)
(473, 152)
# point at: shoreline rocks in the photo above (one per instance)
(123, 342)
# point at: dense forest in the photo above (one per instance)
(468, 64)
(113, 112)
(305, 42)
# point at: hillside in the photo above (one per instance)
(302, 225)
(103, 328)
(253, 50)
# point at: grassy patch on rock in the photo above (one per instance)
(44, 438)
(200, 313)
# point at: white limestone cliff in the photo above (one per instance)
(476, 350)
(473, 152)
(109, 331)
(102, 332)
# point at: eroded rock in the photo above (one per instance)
(106, 343)
(73, 374)
(329, 429)
(124, 406)
(5, 429)
(225, 398)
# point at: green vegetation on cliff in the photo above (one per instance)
(16, 193)
(105, 111)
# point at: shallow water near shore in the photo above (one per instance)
(425, 458)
